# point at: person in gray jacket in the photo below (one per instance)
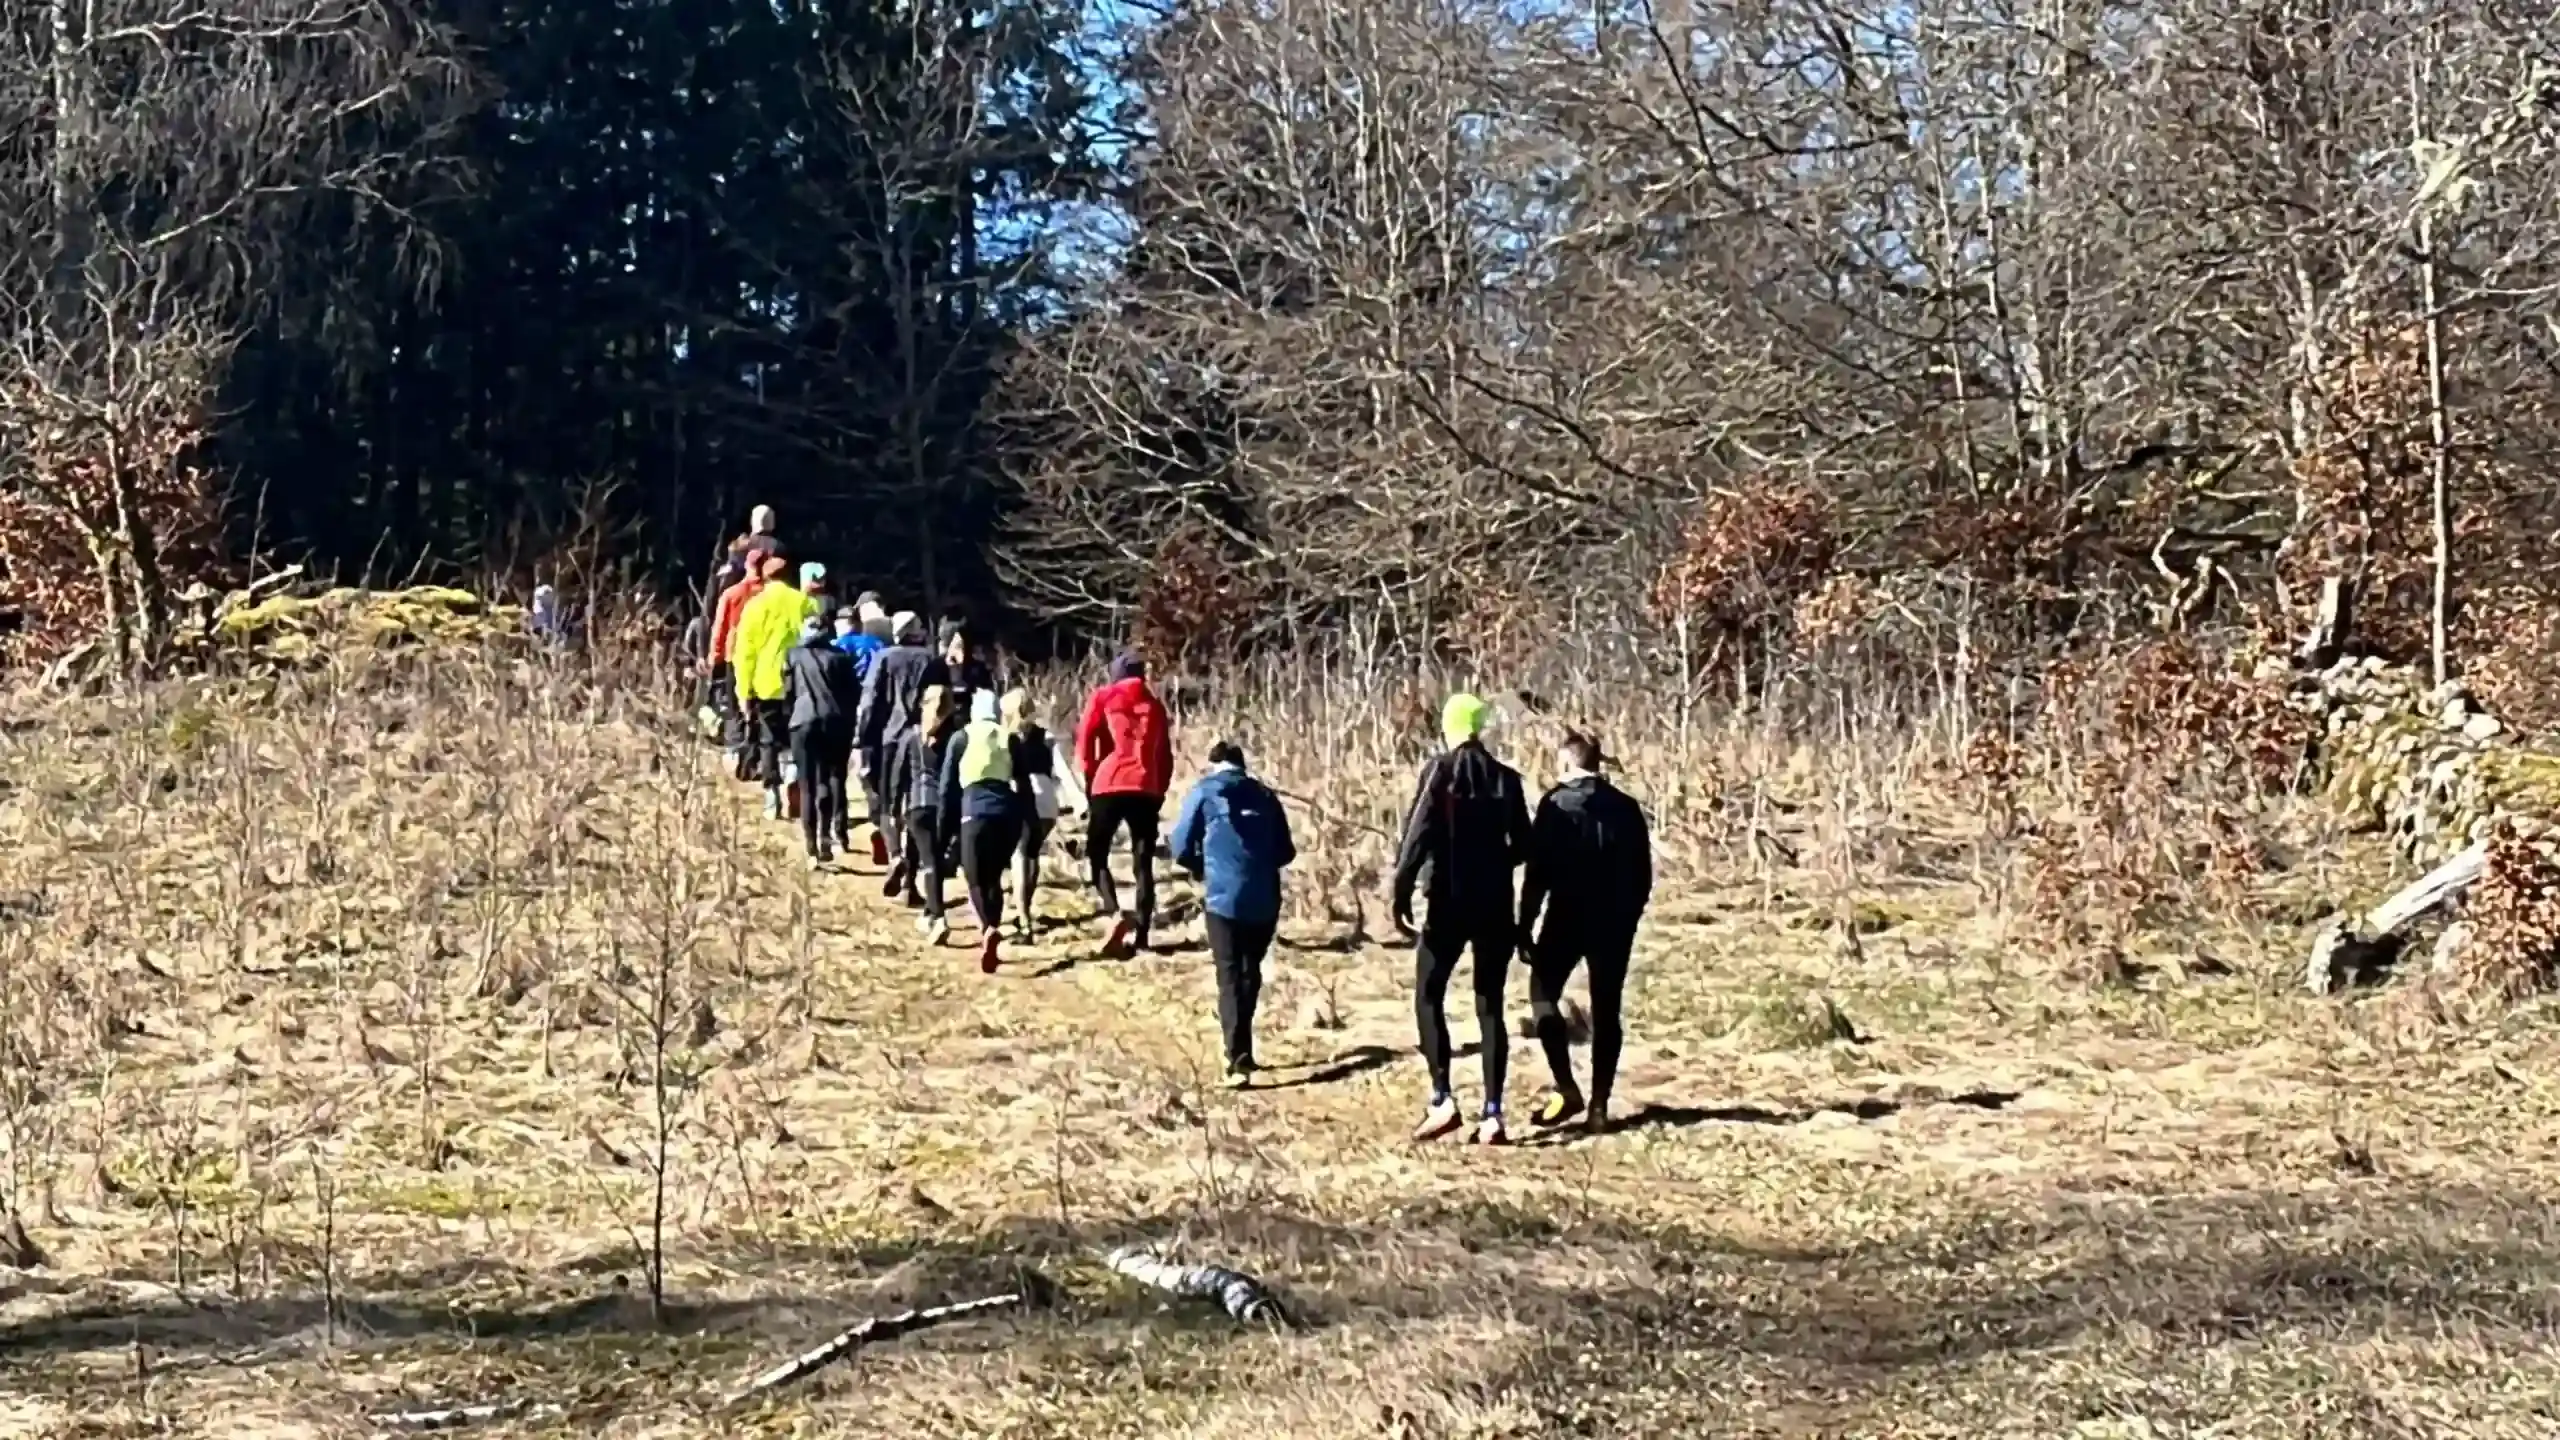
(819, 689)
(892, 705)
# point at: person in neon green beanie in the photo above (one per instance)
(1468, 830)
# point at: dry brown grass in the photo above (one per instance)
(337, 1012)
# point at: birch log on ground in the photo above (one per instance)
(1240, 1295)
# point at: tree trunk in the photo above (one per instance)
(2440, 486)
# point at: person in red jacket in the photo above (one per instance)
(1124, 749)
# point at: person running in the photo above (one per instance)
(978, 786)
(1041, 791)
(767, 629)
(818, 685)
(719, 662)
(922, 803)
(1469, 827)
(892, 703)
(1124, 750)
(1590, 868)
(1233, 836)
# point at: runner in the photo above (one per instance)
(819, 687)
(892, 699)
(1124, 750)
(1041, 791)
(719, 663)
(1234, 836)
(978, 784)
(1469, 827)
(1590, 867)
(767, 629)
(922, 803)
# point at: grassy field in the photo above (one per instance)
(367, 1041)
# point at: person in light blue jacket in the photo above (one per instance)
(1233, 836)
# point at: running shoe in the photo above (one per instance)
(987, 957)
(1439, 1120)
(1240, 1074)
(879, 848)
(1557, 1108)
(1489, 1131)
(772, 803)
(1117, 947)
(936, 929)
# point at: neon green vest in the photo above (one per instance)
(988, 754)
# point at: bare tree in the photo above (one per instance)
(160, 161)
(1451, 311)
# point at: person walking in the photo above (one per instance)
(1233, 836)
(1468, 828)
(1590, 871)
(963, 662)
(720, 661)
(767, 629)
(1124, 750)
(922, 803)
(892, 704)
(978, 787)
(1042, 790)
(819, 688)
(855, 639)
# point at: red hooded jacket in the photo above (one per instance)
(1124, 744)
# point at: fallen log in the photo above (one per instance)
(885, 1327)
(1243, 1298)
(2343, 955)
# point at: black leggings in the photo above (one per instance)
(1559, 950)
(872, 780)
(1105, 816)
(1238, 947)
(1435, 961)
(1026, 869)
(985, 845)
(769, 730)
(924, 858)
(821, 753)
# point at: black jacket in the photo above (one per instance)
(893, 695)
(917, 771)
(1590, 862)
(1469, 827)
(819, 685)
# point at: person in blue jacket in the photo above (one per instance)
(1233, 836)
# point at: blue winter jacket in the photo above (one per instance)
(1234, 836)
(862, 648)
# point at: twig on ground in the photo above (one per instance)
(885, 1327)
(455, 1417)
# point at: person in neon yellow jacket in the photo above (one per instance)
(767, 629)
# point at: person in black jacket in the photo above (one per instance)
(923, 804)
(820, 695)
(1469, 827)
(1590, 868)
(892, 700)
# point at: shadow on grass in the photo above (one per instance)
(1350, 1064)
(1669, 1303)
(1867, 1107)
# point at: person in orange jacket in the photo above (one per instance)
(1124, 750)
(718, 660)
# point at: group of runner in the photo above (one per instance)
(810, 695)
